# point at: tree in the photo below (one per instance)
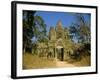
(33, 26)
(80, 29)
(27, 29)
(73, 32)
(39, 28)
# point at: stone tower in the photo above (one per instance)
(58, 42)
(52, 34)
(59, 30)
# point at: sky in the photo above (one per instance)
(66, 18)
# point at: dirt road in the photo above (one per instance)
(63, 64)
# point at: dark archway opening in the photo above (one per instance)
(60, 53)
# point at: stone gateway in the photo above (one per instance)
(59, 44)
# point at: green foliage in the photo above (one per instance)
(40, 27)
(80, 29)
(85, 49)
(33, 26)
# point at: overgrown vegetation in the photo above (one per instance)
(33, 28)
(80, 34)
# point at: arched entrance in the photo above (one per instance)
(59, 50)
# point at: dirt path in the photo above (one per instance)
(63, 64)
